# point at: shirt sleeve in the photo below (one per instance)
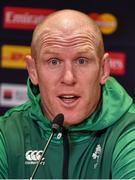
(3, 159)
(123, 164)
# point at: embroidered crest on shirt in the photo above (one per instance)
(96, 155)
(33, 156)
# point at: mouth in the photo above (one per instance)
(69, 99)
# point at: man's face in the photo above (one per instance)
(69, 75)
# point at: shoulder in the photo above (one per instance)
(123, 163)
(127, 121)
(13, 125)
(14, 115)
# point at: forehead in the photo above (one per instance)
(66, 28)
(66, 32)
(83, 40)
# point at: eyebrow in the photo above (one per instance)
(82, 50)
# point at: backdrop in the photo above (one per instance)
(18, 19)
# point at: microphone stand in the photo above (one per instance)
(57, 123)
(45, 148)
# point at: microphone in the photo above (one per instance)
(56, 125)
(57, 122)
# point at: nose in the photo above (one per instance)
(69, 75)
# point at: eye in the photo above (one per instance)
(54, 61)
(82, 61)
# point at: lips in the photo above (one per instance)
(68, 98)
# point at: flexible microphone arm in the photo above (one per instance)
(57, 123)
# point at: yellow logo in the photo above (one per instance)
(13, 56)
(107, 22)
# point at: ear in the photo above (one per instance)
(105, 68)
(31, 67)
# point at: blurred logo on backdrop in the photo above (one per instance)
(13, 56)
(12, 94)
(23, 18)
(117, 63)
(107, 22)
(28, 18)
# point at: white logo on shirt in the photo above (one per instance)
(33, 156)
(96, 155)
(59, 135)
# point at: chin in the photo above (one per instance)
(72, 122)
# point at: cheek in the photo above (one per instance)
(43, 81)
(45, 86)
(91, 87)
(47, 73)
(46, 93)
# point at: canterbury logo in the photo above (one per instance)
(33, 156)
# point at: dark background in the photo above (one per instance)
(122, 40)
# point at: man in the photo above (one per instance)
(69, 74)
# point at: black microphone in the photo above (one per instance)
(56, 125)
